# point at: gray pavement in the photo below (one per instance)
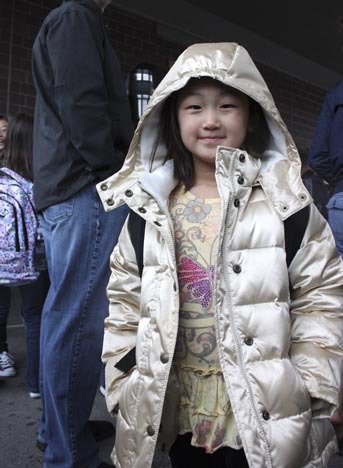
(19, 414)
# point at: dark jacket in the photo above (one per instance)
(82, 119)
(318, 189)
(326, 152)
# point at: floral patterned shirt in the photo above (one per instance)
(205, 409)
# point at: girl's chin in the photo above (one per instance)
(210, 160)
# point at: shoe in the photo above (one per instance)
(101, 430)
(41, 445)
(7, 368)
(102, 390)
(34, 395)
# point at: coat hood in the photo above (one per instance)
(230, 64)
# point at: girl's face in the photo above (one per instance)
(211, 114)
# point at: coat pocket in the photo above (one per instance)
(129, 397)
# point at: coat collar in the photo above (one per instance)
(281, 182)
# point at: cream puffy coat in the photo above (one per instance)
(283, 380)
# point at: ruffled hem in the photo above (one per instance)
(205, 409)
(213, 437)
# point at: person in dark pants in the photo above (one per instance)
(18, 158)
(82, 131)
(32, 301)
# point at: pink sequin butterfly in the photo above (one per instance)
(196, 279)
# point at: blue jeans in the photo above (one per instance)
(79, 238)
(32, 300)
(335, 218)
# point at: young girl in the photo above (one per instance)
(220, 351)
(18, 159)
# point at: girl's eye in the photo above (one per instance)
(193, 107)
(227, 106)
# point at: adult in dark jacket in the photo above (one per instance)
(314, 184)
(82, 131)
(326, 157)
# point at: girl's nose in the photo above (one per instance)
(211, 120)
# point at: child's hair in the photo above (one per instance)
(18, 147)
(303, 153)
(4, 117)
(255, 143)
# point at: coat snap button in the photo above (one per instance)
(129, 193)
(242, 158)
(248, 340)
(237, 268)
(150, 431)
(142, 209)
(164, 358)
(240, 180)
(236, 202)
(110, 202)
(265, 415)
(103, 187)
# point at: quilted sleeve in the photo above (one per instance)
(316, 279)
(121, 325)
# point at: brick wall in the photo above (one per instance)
(19, 23)
(298, 102)
(135, 41)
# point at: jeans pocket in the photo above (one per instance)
(335, 202)
(60, 211)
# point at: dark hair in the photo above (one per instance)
(258, 134)
(4, 117)
(256, 140)
(303, 153)
(18, 145)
